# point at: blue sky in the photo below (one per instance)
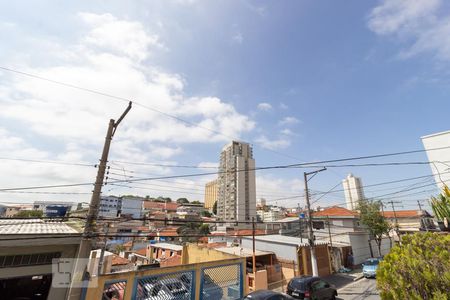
(300, 80)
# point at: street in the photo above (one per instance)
(361, 289)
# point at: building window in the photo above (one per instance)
(318, 224)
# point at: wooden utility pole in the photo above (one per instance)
(80, 272)
(315, 270)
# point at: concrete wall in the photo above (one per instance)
(43, 245)
(361, 249)
(95, 292)
(283, 251)
(194, 254)
(440, 170)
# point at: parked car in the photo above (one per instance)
(266, 295)
(309, 287)
(211, 290)
(370, 267)
(169, 289)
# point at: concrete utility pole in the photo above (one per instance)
(424, 222)
(254, 250)
(315, 270)
(300, 223)
(80, 271)
(395, 218)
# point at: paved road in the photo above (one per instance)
(361, 289)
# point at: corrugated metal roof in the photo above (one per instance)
(34, 226)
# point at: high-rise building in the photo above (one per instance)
(236, 182)
(211, 194)
(437, 146)
(353, 191)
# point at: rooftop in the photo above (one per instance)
(335, 211)
(405, 214)
(242, 252)
(283, 239)
(160, 205)
(117, 260)
(34, 226)
(168, 246)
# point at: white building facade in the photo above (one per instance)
(237, 186)
(109, 206)
(353, 190)
(437, 147)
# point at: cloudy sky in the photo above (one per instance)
(299, 80)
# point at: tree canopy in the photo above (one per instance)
(29, 214)
(182, 200)
(418, 269)
(196, 202)
(215, 208)
(375, 222)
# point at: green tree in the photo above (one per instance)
(119, 248)
(215, 208)
(29, 214)
(204, 229)
(375, 222)
(205, 213)
(182, 200)
(418, 269)
(163, 199)
(196, 202)
(441, 205)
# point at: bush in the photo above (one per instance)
(419, 268)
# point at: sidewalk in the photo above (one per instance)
(342, 279)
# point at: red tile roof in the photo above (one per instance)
(117, 260)
(402, 214)
(335, 211)
(142, 251)
(160, 205)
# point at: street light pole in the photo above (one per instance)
(315, 270)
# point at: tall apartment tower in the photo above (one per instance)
(236, 183)
(211, 193)
(353, 191)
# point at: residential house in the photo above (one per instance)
(409, 221)
(292, 253)
(27, 250)
(341, 228)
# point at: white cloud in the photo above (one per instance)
(264, 106)
(288, 121)
(125, 37)
(272, 188)
(71, 124)
(287, 132)
(393, 15)
(421, 24)
(273, 144)
(237, 38)
(283, 106)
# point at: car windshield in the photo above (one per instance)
(373, 262)
(298, 284)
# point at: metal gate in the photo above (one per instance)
(172, 286)
(222, 282)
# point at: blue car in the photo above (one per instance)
(370, 267)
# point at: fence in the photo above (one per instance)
(211, 280)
